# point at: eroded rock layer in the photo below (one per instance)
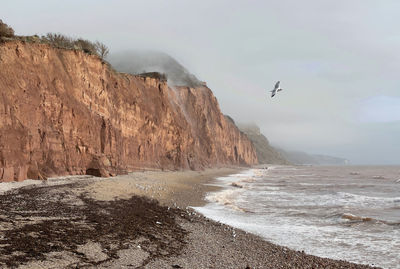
(64, 112)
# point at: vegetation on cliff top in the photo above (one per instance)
(157, 75)
(5, 30)
(61, 41)
(160, 66)
(57, 40)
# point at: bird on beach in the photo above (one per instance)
(276, 89)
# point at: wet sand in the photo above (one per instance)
(138, 220)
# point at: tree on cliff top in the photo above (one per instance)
(86, 46)
(102, 50)
(62, 41)
(5, 30)
(59, 40)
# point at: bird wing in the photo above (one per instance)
(273, 93)
(277, 85)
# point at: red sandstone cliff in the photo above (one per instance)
(64, 112)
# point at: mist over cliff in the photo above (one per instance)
(139, 62)
(63, 111)
(143, 61)
(299, 157)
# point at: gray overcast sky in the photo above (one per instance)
(338, 61)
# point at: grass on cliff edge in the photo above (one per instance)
(61, 41)
(56, 40)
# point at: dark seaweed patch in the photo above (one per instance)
(49, 219)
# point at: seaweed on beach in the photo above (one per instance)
(51, 219)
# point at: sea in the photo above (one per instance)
(349, 213)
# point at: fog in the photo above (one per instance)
(142, 61)
(337, 61)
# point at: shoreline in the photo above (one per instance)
(114, 223)
(170, 188)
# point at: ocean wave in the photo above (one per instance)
(248, 180)
(362, 219)
(227, 198)
(356, 200)
(270, 188)
(276, 195)
(352, 217)
(316, 184)
(332, 213)
(365, 198)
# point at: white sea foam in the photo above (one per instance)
(325, 213)
(268, 188)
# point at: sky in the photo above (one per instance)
(338, 61)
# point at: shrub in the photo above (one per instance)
(59, 40)
(5, 30)
(62, 41)
(86, 46)
(102, 50)
(157, 75)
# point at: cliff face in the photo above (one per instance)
(64, 112)
(265, 152)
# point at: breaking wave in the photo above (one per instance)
(329, 211)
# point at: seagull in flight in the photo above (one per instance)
(276, 89)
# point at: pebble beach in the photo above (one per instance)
(139, 220)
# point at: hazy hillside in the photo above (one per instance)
(298, 157)
(137, 62)
(265, 152)
(269, 154)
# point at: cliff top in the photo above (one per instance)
(151, 64)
